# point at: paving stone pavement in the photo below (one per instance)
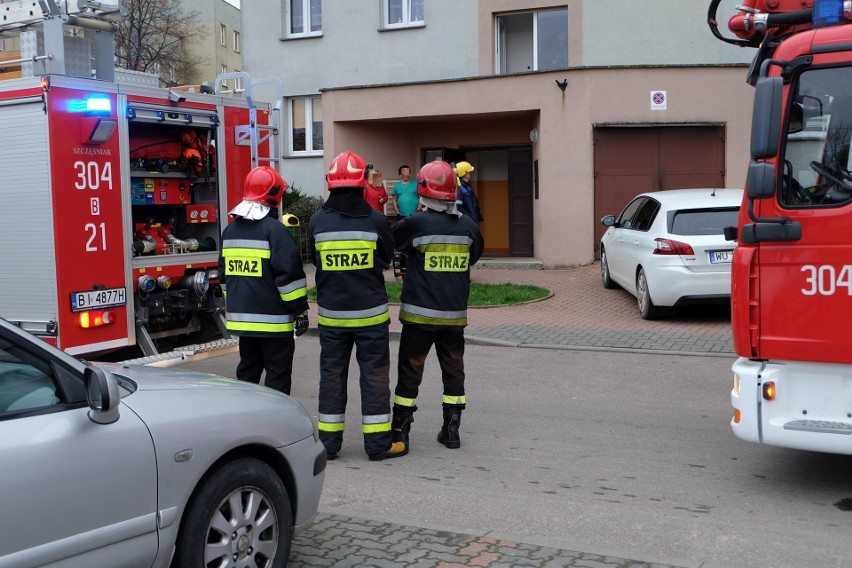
(345, 542)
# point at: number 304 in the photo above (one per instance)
(825, 280)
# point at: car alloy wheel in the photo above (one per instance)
(240, 517)
(647, 309)
(606, 280)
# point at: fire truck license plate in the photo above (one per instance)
(721, 256)
(96, 299)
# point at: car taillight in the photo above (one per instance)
(96, 318)
(668, 246)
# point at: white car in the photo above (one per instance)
(668, 249)
(129, 466)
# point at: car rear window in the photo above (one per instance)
(702, 221)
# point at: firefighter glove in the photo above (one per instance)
(302, 323)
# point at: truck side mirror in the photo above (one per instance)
(760, 180)
(766, 118)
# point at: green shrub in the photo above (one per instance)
(303, 207)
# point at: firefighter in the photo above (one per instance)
(351, 244)
(441, 245)
(263, 282)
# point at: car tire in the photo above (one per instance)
(606, 280)
(259, 533)
(647, 309)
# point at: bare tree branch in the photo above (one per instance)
(153, 36)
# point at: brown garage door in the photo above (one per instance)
(629, 161)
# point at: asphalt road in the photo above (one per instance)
(617, 453)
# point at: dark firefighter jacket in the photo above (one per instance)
(440, 248)
(262, 277)
(350, 244)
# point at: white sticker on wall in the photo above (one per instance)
(658, 100)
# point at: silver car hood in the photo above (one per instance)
(171, 400)
(173, 378)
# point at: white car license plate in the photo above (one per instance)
(96, 299)
(721, 256)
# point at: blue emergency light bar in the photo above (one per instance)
(827, 13)
(93, 104)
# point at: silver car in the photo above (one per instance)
(129, 466)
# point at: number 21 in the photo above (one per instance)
(92, 229)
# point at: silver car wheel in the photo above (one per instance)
(647, 309)
(243, 530)
(606, 280)
(240, 517)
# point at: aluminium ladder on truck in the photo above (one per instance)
(254, 134)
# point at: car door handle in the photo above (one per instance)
(636, 244)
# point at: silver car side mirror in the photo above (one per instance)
(102, 395)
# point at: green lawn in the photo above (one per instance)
(480, 294)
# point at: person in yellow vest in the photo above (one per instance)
(351, 245)
(441, 245)
(265, 289)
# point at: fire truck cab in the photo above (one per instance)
(114, 193)
(791, 295)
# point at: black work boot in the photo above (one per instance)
(401, 424)
(449, 434)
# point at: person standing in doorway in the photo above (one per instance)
(351, 244)
(441, 245)
(404, 193)
(263, 282)
(467, 202)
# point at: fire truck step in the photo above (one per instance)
(819, 426)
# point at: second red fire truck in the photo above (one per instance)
(113, 196)
(792, 271)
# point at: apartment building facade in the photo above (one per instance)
(219, 48)
(566, 109)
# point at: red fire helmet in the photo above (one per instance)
(348, 169)
(437, 180)
(264, 185)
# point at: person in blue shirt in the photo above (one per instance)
(466, 201)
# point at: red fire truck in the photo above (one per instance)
(113, 196)
(792, 271)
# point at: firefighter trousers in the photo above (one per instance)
(372, 353)
(414, 345)
(272, 354)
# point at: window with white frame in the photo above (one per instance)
(305, 116)
(303, 18)
(403, 13)
(222, 71)
(223, 34)
(238, 82)
(532, 41)
(236, 41)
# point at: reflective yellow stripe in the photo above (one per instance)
(376, 428)
(446, 261)
(330, 427)
(360, 322)
(435, 247)
(415, 318)
(454, 399)
(403, 401)
(345, 245)
(249, 252)
(300, 293)
(254, 326)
